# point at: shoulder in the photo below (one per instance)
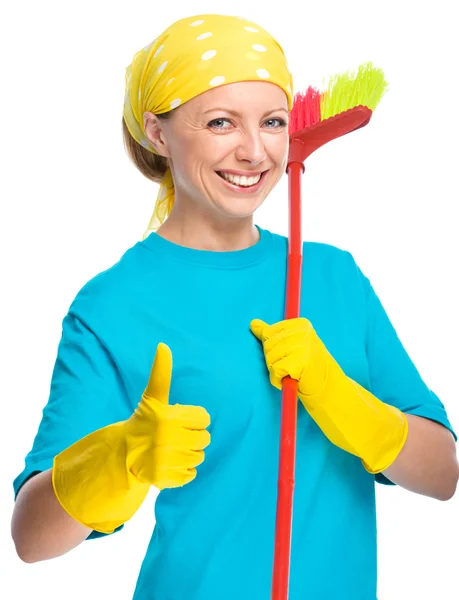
(328, 253)
(110, 288)
(336, 266)
(321, 254)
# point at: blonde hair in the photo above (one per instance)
(152, 166)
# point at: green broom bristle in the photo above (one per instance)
(350, 89)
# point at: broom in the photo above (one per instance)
(315, 119)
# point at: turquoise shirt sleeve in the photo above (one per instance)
(86, 393)
(394, 378)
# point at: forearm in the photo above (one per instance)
(423, 458)
(427, 464)
(40, 527)
(416, 453)
(412, 451)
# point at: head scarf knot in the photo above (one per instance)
(192, 56)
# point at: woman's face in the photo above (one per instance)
(240, 127)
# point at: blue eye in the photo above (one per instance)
(212, 123)
(281, 122)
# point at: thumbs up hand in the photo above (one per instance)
(102, 479)
(166, 443)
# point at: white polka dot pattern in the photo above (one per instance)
(209, 54)
(263, 73)
(162, 67)
(217, 80)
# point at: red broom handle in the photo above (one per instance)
(286, 481)
(302, 144)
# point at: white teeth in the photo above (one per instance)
(241, 180)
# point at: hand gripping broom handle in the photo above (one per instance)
(302, 144)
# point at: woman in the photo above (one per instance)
(205, 114)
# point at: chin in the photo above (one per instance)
(238, 209)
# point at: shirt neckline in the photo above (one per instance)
(230, 259)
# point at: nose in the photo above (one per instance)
(251, 148)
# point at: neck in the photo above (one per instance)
(194, 230)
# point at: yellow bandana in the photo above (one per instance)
(192, 56)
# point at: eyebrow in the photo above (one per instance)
(236, 114)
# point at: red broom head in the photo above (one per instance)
(363, 87)
(305, 111)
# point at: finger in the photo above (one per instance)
(195, 440)
(176, 478)
(281, 369)
(288, 325)
(181, 459)
(257, 327)
(194, 458)
(159, 383)
(278, 340)
(188, 476)
(191, 417)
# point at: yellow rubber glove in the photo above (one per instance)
(349, 415)
(102, 479)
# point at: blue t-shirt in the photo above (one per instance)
(214, 537)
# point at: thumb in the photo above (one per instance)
(159, 384)
(257, 326)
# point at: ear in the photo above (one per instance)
(154, 130)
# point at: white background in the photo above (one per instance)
(72, 203)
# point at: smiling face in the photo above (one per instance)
(238, 128)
